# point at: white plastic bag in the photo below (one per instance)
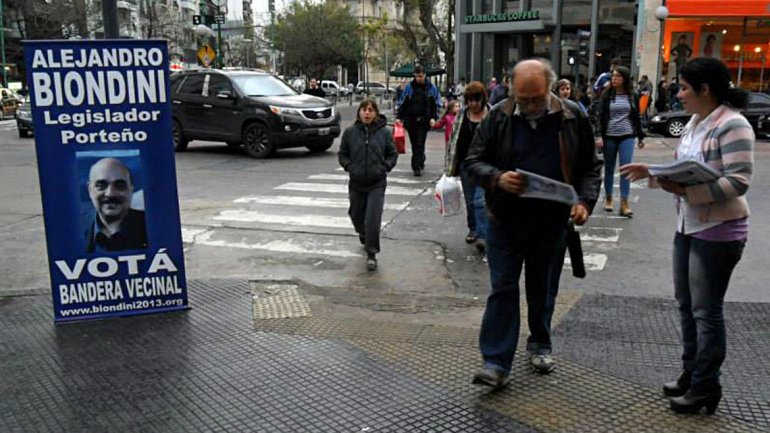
(449, 195)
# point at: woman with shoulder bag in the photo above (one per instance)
(619, 126)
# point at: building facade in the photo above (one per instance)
(736, 32)
(491, 35)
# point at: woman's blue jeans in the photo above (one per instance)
(469, 189)
(702, 271)
(612, 148)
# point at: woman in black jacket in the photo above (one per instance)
(619, 126)
(367, 153)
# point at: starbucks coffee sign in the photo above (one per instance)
(503, 17)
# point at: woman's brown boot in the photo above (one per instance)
(608, 204)
(625, 210)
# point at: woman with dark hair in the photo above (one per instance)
(712, 225)
(471, 114)
(619, 125)
(367, 152)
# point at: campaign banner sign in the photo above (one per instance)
(102, 123)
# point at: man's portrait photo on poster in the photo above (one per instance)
(112, 201)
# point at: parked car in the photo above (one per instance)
(763, 125)
(24, 118)
(254, 110)
(375, 88)
(10, 103)
(333, 89)
(672, 123)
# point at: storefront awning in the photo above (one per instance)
(408, 71)
(711, 8)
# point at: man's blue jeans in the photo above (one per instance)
(612, 148)
(480, 209)
(509, 249)
(702, 271)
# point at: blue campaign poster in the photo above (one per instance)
(102, 121)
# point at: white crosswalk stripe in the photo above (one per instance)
(345, 178)
(287, 200)
(342, 189)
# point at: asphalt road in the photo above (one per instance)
(286, 218)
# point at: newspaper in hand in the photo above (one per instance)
(548, 189)
(685, 172)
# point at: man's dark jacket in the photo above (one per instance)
(491, 155)
(132, 234)
(315, 92)
(368, 154)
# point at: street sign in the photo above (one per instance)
(206, 55)
(102, 117)
(197, 19)
(219, 18)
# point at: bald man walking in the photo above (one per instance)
(539, 132)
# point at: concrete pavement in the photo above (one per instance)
(301, 343)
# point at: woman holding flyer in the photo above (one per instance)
(712, 225)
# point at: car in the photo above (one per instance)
(333, 89)
(763, 125)
(253, 110)
(24, 118)
(672, 123)
(375, 88)
(10, 103)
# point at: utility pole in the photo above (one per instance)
(110, 19)
(2, 45)
(594, 35)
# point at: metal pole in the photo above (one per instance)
(110, 19)
(594, 34)
(2, 45)
(743, 51)
(558, 7)
(220, 55)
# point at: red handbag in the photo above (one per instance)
(399, 137)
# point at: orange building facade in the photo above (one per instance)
(734, 31)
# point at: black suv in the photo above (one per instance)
(251, 109)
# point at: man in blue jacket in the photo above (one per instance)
(418, 109)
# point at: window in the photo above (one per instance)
(218, 83)
(193, 85)
(758, 100)
(262, 85)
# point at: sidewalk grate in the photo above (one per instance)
(638, 339)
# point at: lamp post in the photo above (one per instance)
(661, 13)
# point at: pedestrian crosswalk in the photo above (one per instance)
(318, 204)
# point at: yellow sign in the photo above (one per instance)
(206, 55)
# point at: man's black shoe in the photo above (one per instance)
(417, 172)
(491, 377)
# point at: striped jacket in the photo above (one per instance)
(728, 148)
